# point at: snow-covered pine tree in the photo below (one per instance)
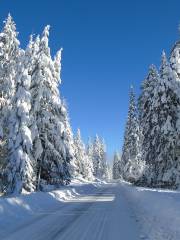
(175, 66)
(89, 149)
(146, 116)
(131, 154)
(79, 153)
(9, 52)
(165, 104)
(68, 140)
(89, 153)
(174, 60)
(47, 127)
(99, 158)
(109, 172)
(96, 157)
(104, 165)
(82, 160)
(33, 56)
(116, 166)
(19, 170)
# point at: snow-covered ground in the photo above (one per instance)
(157, 211)
(92, 211)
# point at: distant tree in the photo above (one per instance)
(116, 166)
(89, 149)
(99, 158)
(109, 172)
(82, 160)
(68, 140)
(89, 152)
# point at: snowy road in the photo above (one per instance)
(102, 215)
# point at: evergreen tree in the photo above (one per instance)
(116, 166)
(89, 149)
(109, 172)
(20, 172)
(33, 58)
(9, 54)
(99, 158)
(68, 140)
(174, 61)
(82, 160)
(165, 103)
(131, 154)
(89, 153)
(47, 127)
(146, 119)
(175, 66)
(96, 157)
(104, 165)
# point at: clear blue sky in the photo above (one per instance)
(108, 45)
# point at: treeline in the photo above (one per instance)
(151, 150)
(37, 147)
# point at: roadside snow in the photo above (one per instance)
(156, 210)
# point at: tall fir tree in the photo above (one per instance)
(9, 57)
(47, 127)
(146, 119)
(131, 153)
(165, 104)
(175, 66)
(20, 170)
(9, 52)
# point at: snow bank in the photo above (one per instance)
(16, 210)
(156, 210)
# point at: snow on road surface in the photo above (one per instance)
(96, 211)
